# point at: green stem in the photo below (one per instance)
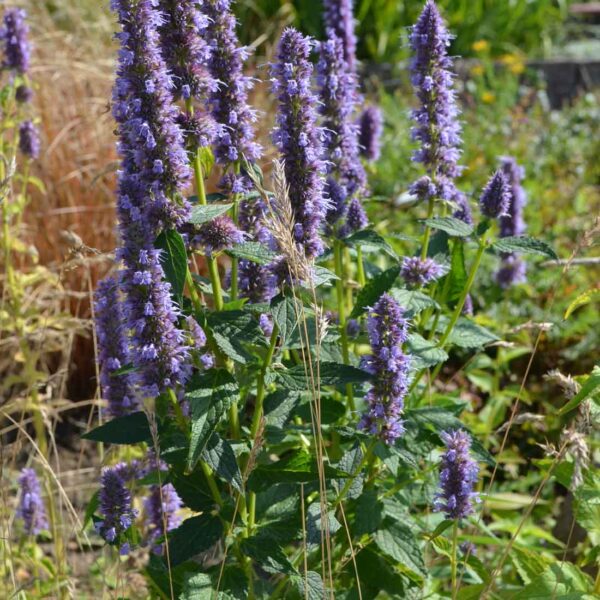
(427, 232)
(453, 559)
(360, 268)
(339, 286)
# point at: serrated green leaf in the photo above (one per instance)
(349, 463)
(203, 213)
(369, 513)
(210, 395)
(468, 334)
(197, 587)
(333, 374)
(253, 251)
(220, 457)
(562, 581)
(268, 554)
(413, 301)
(397, 541)
(233, 330)
(314, 523)
(424, 353)
(309, 586)
(173, 259)
(127, 430)
(369, 241)
(193, 536)
(528, 563)
(458, 272)
(373, 290)
(452, 226)
(278, 407)
(524, 245)
(286, 313)
(322, 276)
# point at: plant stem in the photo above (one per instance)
(427, 232)
(453, 559)
(365, 459)
(360, 267)
(339, 286)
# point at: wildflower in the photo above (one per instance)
(495, 198)
(458, 475)
(185, 49)
(115, 504)
(229, 102)
(488, 98)
(512, 270)
(338, 94)
(197, 333)
(113, 353)
(417, 271)
(299, 139)
(217, 235)
(370, 130)
(463, 208)
(199, 130)
(154, 173)
(31, 508)
(436, 128)
(389, 366)
(161, 508)
(339, 17)
(15, 35)
(29, 139)
(481, 46)
(356, 218)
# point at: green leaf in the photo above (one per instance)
(220, 457)
(373, 290)
(309, 586)
(91, 508)
(193, 536)
(203, 213)
(322, 276)
(369, 513)
(314, 523)
(398, 542)
(173, 259)
(370, 241)
(582, 300)
(232, 330)
(197, 587)
(127, 430)
(349, 463)
(458, 272)
(524, 245)
(268, 554)
(253, 251)
(278, 407)
(424, 353)
(286, 313)
(528, 563)
(333, 374)
(210, 396)
(413, 301)
(192, 488)
(592, 383)
(207, 160)
(468, 334)
(562, 581)
(452, 226)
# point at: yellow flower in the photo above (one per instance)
(517, 68)
(514, 63)
(477, 70)
(488, 98)
(480, 46)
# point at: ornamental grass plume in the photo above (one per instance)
(419, 271)
(437, 128)
(338, 95)
(115, 504)
(113, 350)
(495, 197)
(161, 511)
(29, 139)
(15, 35)
(298, 138)
(154, 172)
(31, 509)
(229, 102)
(458, 476)
(339, 17)
(370, 131)
(513, 269)
(388, 330)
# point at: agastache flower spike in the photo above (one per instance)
(370, 128)
(217, 234)
(436, 128)
(458, 476)
(495, 198)
(29, 140)
(229, 103)
(15, 35)
(115, 504)
(154, 172)
(418, 271)
(299, 138)
(31, 508)
(390, 367)
(339, 17)
(161, 508)
(463, 208)
(185, 49)
(113, 352)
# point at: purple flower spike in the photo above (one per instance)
(371, 128)
(115, 504)
(29, 139)
(339, 17)
(113, 353)
(458, 476)
(417, 271)
(31, 508)
(356, 217)
(495, 198)
(185, 49)
(161, 508)
(513, 270)
(217, 235)
(390, 366)
(463, 208)
(15, 35)
(436, 128)
(299, 138)
(229, 103)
